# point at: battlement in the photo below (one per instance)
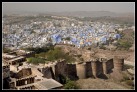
(91, 68)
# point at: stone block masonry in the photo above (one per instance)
(89, 72)
(109, 66)
(118, 64)
(81, 70)
(71, 71)
(92, 68)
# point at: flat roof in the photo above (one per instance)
(44, 84)
(21, 57)
(48, 84)
(7, 55)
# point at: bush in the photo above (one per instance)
(124, 44)
(51, 54)
(57, 53)
(38, 50)
(62, 79)
(70, 85)
(35, 60)
(54, 54)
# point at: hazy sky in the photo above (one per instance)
(68, 6)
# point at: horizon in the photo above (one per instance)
(47, 7)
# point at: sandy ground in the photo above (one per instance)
(98, 84)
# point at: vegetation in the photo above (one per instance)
(62, 79)
(122, 44)
(126, 41)
(70, 84)
(50, 54)
(34, 60)
(57, 53)
(38, 50)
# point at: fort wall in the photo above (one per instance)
(92, 68)
(109, 65)
(47, 72)
(99, 68)
(60, 69)
(81, 70)
(118, 63)
(71, 71)
(89, 72)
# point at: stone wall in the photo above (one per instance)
(81, 70)
(60, 69)
(99, 67)
(71, 71)
(25, 81)
(24, 73)
(118, 63)
(54, 70)
(109, 65)
(88, 70)
(47, 72)
(94, 68)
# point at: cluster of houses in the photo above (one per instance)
(54, 31)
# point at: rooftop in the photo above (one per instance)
(21, 57)
(8, 56)
(48, 84)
